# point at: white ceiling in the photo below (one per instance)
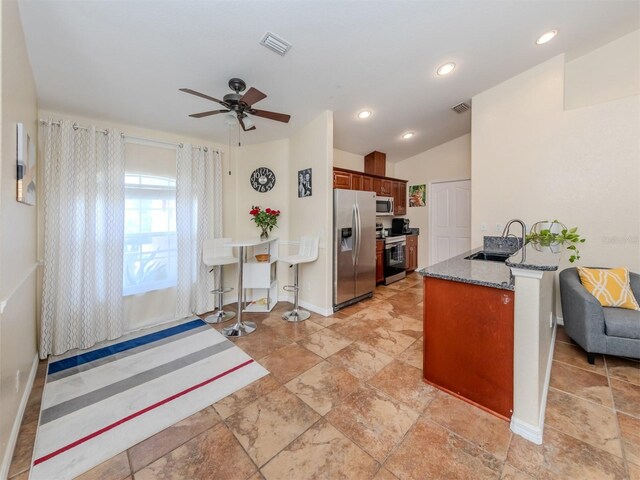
(125, 60)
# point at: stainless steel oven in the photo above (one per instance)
(395, 262)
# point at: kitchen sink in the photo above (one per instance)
(488, 256)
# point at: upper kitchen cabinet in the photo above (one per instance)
(356, 182)
(376, 164)
(382, 187)
(341, 179)
(399, 198)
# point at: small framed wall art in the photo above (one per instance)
(417, 195)
(25, 167)
(304, 182)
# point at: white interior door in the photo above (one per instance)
(450, 225)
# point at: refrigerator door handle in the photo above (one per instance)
(356, 236)
(359, 238)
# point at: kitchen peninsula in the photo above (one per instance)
(489, 332)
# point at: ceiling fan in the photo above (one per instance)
(240, 105)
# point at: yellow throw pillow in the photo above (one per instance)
(610, 286)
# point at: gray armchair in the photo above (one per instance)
(598, 329)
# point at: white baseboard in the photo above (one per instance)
(15, 429)
(526, 431)
(309, 306)
(559, 320)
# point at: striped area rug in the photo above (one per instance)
(102, 401)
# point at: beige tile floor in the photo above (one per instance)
(345, 399)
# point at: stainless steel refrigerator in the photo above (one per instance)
(354, 246)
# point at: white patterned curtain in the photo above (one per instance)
(83, 237)
(198, 216)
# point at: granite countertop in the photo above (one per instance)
(491, 274)
(534, 260)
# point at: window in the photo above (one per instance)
(150, 244)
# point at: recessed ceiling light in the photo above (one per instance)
(446, 68)
(545, 37)
(408, 135)
(364, 114)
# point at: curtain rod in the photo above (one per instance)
(133, 137)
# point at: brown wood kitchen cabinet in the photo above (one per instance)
(468, 342)
(356, 182)
(379, 261)
(383, 186)
(367, 183)
(341, 179)
(399, 197)
(376, 163)
(412, 252)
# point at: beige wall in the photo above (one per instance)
(449, 161)
(607, 73)
(18, 229)
(275, 156)
(537, 161)
(348, 160)
(312, 147)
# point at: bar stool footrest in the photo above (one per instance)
(222, 290)
(290, 288)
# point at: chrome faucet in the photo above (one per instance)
(505, 234)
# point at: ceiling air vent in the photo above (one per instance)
(461, 107)
(275, 43)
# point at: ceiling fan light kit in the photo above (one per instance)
(239, 105)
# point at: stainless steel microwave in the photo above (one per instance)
(384, 206)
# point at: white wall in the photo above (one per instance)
(18, 231)
(533, 160)
(449, 161)
(312, 147)
(273, 155)
(350, 161)
(238, 224)
(607, 73)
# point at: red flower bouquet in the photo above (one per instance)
(265, 219)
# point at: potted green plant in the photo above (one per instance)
(546, 235)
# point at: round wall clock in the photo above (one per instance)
(262, 179)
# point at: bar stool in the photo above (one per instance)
(215, 254)
(307, 253)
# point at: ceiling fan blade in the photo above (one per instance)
(243, 127)
(202, 95)
(206, 114)
(278, 117)
(252, 96)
